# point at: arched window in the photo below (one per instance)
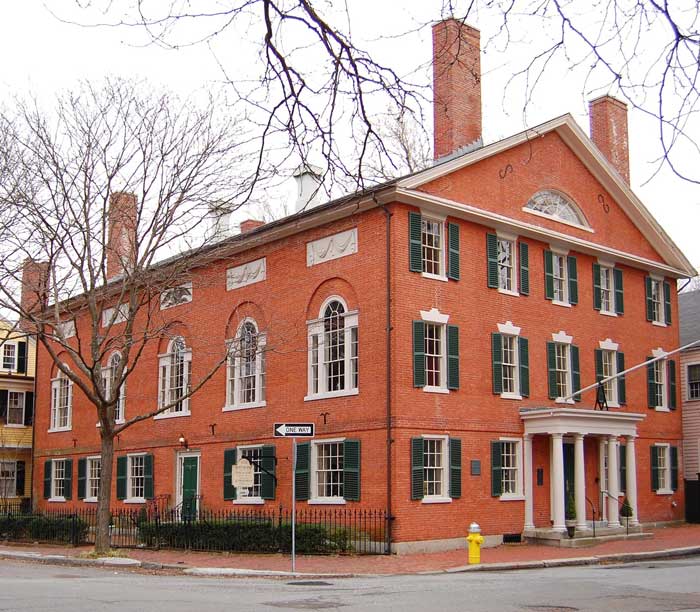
(61, 402)
(246, 368)
(174, 380)
(553, 204)
(333, 351)
(109, 374)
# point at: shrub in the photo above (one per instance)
(44, 528)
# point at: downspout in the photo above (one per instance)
(389, 438)
(32, 452)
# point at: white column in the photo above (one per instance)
(602, 498)
(631, 460)
(579, 482)
(613, 482)
(558, 482)
(527, 472)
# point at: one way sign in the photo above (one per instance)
(294, 430)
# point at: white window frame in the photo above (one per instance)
(54, 496)
(510, 332)
(8, 344)
(689, 395)
(107, 378)
(165, 363)
(610, 348)
(661, 379)
(56, 384)
(241, 498)
(233, 370)
(89, 462)
(560, 257)
(444, 497)
(513, 277)
(562, 339)
(130, 498)
(22, 398)
(316, 352)
(659, 304)
(606, 272)
(8, 484)
(440, 320)
(666, 489)
(442, 251)
(313, 475)
(518, 494)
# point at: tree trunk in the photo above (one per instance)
(102, 539)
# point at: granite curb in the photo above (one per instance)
(127, 563)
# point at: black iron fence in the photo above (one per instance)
(318, 530)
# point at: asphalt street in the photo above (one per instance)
(653, 586)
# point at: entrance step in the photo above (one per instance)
(584, 538)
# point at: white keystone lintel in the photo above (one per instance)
(508, 328)
(246, 274)
(331, 247)
(562, 337)
(434, 316)
(608, 345)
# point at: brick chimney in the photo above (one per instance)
(121, 241)
(608, 118)
(456, 86)
(35, 287)
(250, 224)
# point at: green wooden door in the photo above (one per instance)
(190, 469)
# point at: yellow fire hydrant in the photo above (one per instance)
(474, 541)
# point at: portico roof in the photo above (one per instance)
(579, 420)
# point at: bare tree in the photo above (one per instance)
(104, 202)
(317, 89)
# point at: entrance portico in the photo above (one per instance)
(577, 424)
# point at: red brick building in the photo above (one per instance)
(435, 329)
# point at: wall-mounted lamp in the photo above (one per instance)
(183, 441)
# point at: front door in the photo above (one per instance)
(568, 471)
(189, 491)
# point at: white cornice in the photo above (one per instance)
(497, 221)
(582, 146)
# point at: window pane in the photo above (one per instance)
(610, 387)
(248, 349)
(509, 364)
(8, 357)
(509, 468)
(329, 469)
(433, 355)
(656, 300)
(59, 475)
(606, 289)
(559, 269)
(93, 478)
(8, 479)
(663, 463)
(505, 265)
(433, 468)
(254, 455)
(334, 346)
(431, 237)
(136, 476)
(15, 408)
(562, 369)
(694, 382)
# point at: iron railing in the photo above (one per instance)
(318, 530)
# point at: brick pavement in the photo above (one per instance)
(664, 538)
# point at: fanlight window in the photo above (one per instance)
(553, 204)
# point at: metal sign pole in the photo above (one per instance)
(294, 503)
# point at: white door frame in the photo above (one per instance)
(178, 473)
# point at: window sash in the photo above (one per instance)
(562, 369)
(334, 356)
(506, 264)
(137, 479)
(606, 290)
(432, 246)
(94, 470)
(8, 479)
(9, 356)
(509, 363)
(663, 467)
(609, 362)
(434, 468)
(15, 408)
(509, 468)
(61, 392)
(108, 378)
(657, 301)
(693, 381)
(254, 455)
(659, 383)
(329, 475)
(58, 478)
(246, 370)
(175, 376)
(434, 355)
(559, 277)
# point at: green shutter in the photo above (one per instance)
(418, 354)
(671, 384)
(622, 462)
(28, 408)
(21, 357)
(524, 364)
(351, 470)
(524, 269)
(650, 302)
(667, 303)
(492, 260)
(47, 478)
(654, 468)
(68, 480)
(619, 293)
(122, 463)
(548, 276)
(597, 297)
(552, 369)
(4, 395)
(621, 390)
(301, 474)
(415, 247)
(452, 357)
(148, 476)
(416, 468)
(20, 477)
(82, 474)
(598, 364)
(496, 469)
(453, 251)
(268, 481)
(651, 385)
(573, 279)
(674, 468)
(497, 362)
(455, 468)
(575, 372)
(229, 461)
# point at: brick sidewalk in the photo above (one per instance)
(664, 538)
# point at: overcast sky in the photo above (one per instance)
(42, 55)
